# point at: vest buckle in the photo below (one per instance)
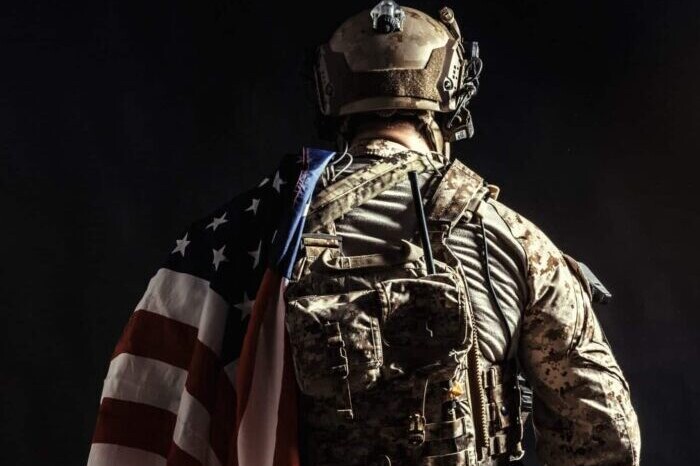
(416, 429)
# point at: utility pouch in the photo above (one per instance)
(335, 337)
(424, 319)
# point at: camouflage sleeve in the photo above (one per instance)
(582, 409)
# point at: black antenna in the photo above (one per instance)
(422, 225)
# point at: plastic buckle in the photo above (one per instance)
(498, 445)
(416, 429)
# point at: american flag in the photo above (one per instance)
(201, 374)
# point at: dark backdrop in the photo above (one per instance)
(123, 121)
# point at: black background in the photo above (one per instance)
(123, 121)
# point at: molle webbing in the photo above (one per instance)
(487, 434)
(457, 197)
(367, 183)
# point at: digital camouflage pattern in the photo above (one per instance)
(323, 323)
(424, 313)
(582, 409)
(459, 192)
(583, 414)
(375, 341)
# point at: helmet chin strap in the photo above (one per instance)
(432, 133)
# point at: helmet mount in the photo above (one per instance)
(387, 17)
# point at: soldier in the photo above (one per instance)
(415, 299)
(391, 82)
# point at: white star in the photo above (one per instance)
(219, 257)
(181, 245)
(256, 255)
(254, 206)
(278, 182)
(263, 182)
(217, 221)
(246, 306)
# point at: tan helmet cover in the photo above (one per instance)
(419, 67)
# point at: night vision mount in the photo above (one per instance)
(387, 17)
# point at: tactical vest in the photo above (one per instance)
(386, 355)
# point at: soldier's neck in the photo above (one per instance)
(406, 135)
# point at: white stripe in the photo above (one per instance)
(145, 380)
(257, 434)
(192, 428)
(190, 300)
(107, 454)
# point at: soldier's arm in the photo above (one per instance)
(582, 409)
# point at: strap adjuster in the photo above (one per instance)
(336, 348)
(416, 429)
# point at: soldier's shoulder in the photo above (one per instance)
(539, 249)
(520, 226)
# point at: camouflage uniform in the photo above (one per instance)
(582, 409)
(527, 306)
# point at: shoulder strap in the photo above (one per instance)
(365, 184)
(458, 195)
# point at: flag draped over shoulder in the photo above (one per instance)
(202, 373)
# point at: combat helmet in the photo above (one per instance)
(394, 59)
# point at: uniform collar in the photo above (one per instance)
(376, 147)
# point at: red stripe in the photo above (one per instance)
(244, 375)
(179, 457)
(210, 385)
(223, 420)
(287, 443)
(204, 369)
(158, 337)
(134, 425)
(155, 336)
